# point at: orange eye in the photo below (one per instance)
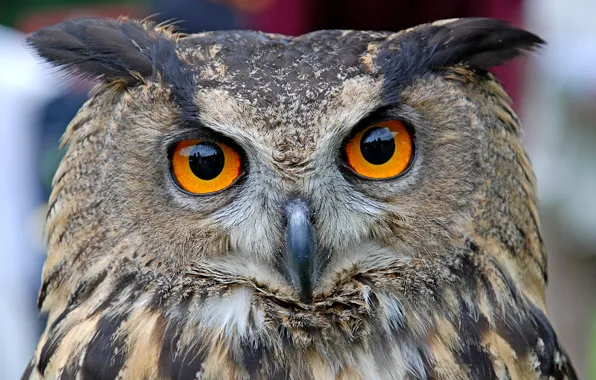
(380, 151)
(202, 167)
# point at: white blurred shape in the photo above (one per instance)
(562, 133)
(25, 85)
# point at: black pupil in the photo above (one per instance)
(206, 160)
(377, 145)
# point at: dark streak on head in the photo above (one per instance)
(177, 75)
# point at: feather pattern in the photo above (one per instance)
(438, 274)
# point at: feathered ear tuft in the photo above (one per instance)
(101, 48)
(477, 42)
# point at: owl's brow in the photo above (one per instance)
(377, 114)
(190, 130)
(182, 83)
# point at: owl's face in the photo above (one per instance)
(291, 167)
(316, 182)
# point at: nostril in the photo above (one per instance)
(299, 208)
(296, 205)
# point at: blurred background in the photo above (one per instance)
(554, 93)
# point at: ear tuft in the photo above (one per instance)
(108, 49)
(477, 42)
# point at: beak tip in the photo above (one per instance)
(305, 291)
(302, 281)
(306, 298)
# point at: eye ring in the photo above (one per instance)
(201, 167)
(383, 150)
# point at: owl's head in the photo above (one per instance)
(304, 181)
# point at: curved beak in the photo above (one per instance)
(300, 257)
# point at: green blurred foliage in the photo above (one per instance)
(12, 10)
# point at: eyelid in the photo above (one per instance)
(195, 133)
(378, 115)
(200, 133)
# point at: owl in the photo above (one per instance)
(338, 205)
